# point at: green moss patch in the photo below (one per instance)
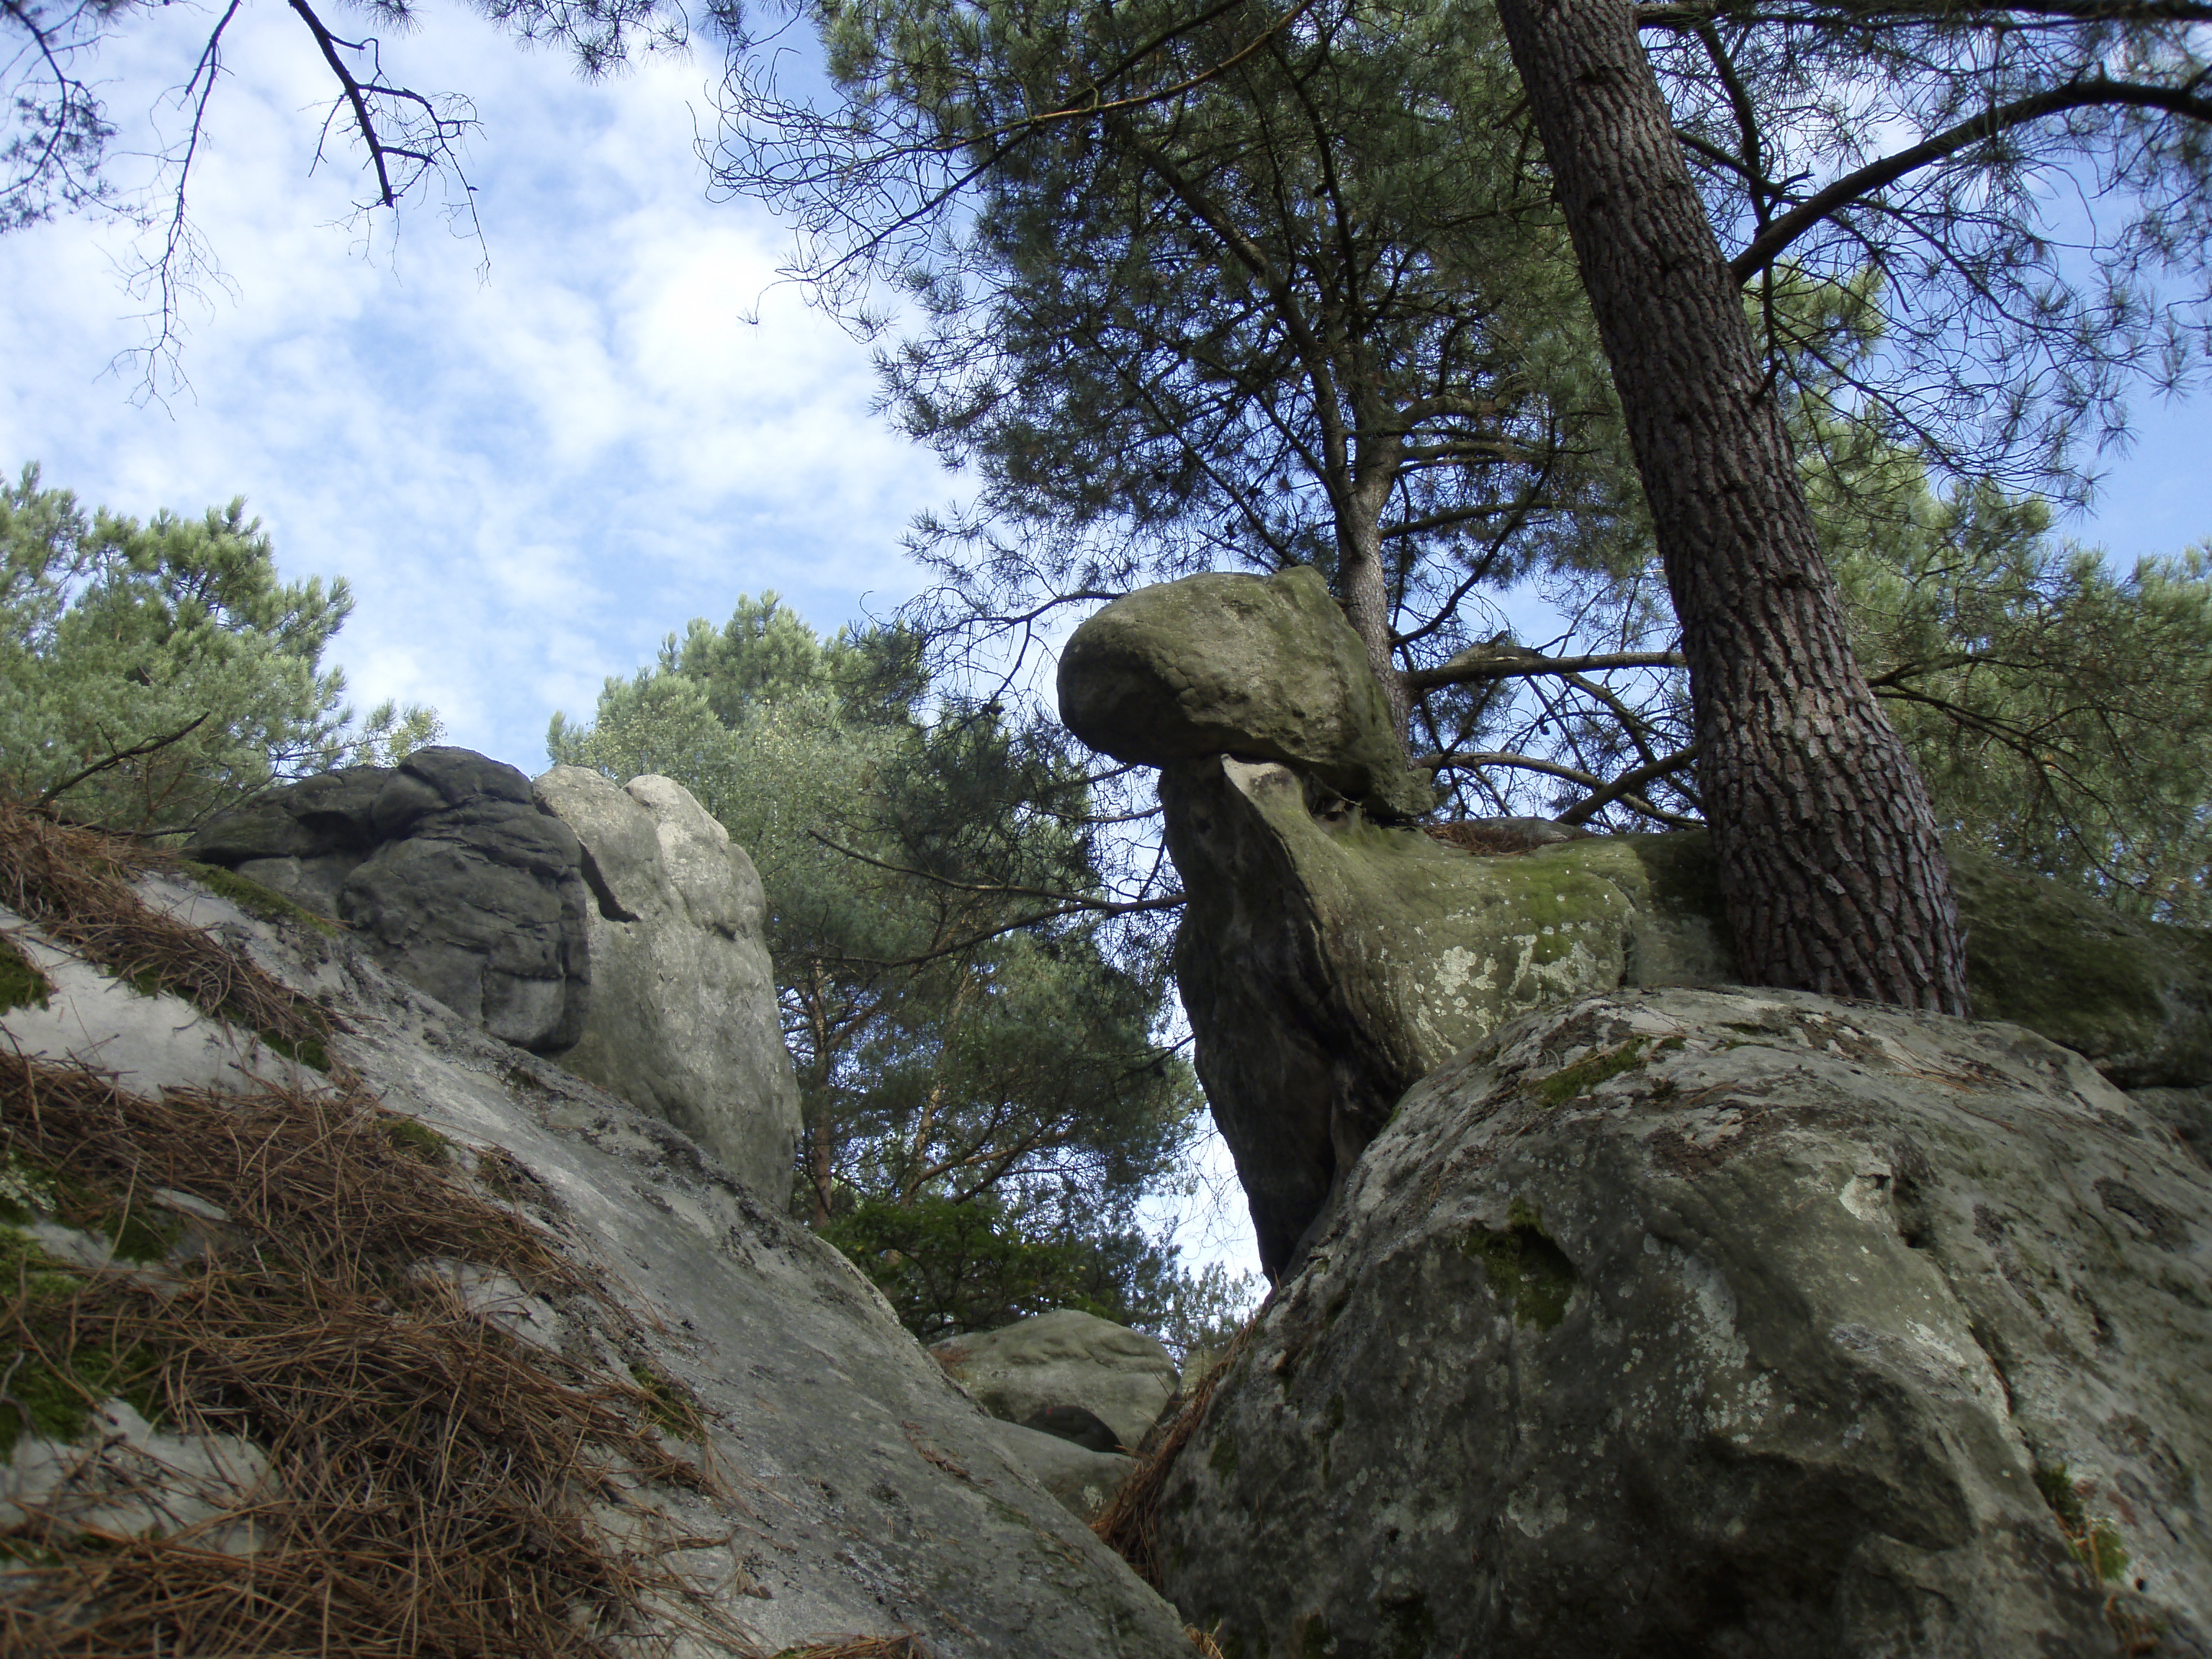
(64, 1363)
(1528, 1274)
(308, 1051)
(30, 1193)
(417, 1139)
(21, 984)
(666, 1403)
(251, 897)
(2095, 1541)
(1585, 1074)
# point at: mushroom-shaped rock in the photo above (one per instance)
(1265, 668)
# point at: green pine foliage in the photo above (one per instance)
(152, 673)
(2059, 707)
(1310, 303)
(949, 1267)
(986, 1098)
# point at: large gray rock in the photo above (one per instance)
(1327, 964)
(2136, 997)
(862, 1494)
(1083, 1480)
(1052, 1372)
(1265, 668)
(447, 869)
(683, 1019)
(1731, 1323)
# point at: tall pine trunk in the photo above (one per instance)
(1364, 590)
(1834, 876)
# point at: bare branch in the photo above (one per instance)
(1629, 783)
(1770, 243)
(1489, 662)
(152, 745)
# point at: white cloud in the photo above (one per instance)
(528, 480)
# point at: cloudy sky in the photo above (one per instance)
(528, 476)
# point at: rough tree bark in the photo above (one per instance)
(1834, 878)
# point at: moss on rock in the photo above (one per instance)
(21, 984)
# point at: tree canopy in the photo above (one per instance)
(1310, 309)
(2024, 184)
(151, 673)
(1092, 205)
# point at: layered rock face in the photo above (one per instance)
(617, 928)
(1728, 1322)
(1328, 961)
(857, 1494)
(682, 1017)
(445, 866)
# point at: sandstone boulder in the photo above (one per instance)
(448, 871)
(1265, 668)
(1083, 1478)
(1728, 1322)
(857, 1497)
(1074, 1376)
(683, 1018)
(1328, 962)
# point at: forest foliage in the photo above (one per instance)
(153, 672)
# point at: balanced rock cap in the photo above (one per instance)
(1262, 667)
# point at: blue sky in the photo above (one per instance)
(527, 476)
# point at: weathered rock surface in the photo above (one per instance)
(869, 1495)
(1726, 1322)
(454, 879)
(1327, 964)
(1084, 1479)
(127, 1479)
(1068, 1374)
(2134, 997)
(682, 1015)
(1262, 667)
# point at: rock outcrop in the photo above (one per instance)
(1265, 668)
(854, 1491)
(1065, 1373)
(1728, 1322)
(1078, 1395)
(1328, 964)
(619, 929)
(1085, 1481)
(682, 1017)
(1328, 961)
(447, 871)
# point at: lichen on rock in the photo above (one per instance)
(1762, 1339)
